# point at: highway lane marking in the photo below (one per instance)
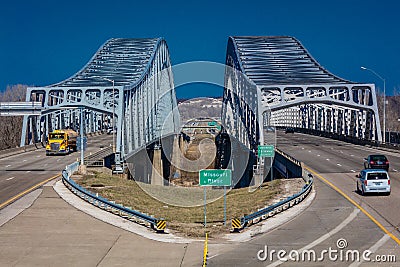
(8, 166)
(340, 165)
(352, 170)
(25, 160)
(318, 155)
(213, 256)
(28, 171)
(373, 249)
(8, 179)
(354, 203)
(2, 205)
(325, 236)
(327, 159)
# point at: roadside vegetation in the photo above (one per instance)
(187, 221)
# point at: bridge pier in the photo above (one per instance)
(157, 177)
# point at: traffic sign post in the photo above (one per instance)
(267, 151)
(79, 144)
(215, 178)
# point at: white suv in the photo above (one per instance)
(373, 181)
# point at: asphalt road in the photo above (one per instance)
(331, 220)
(22, 171)
(339, 162)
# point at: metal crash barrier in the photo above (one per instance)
(262, 214)
(158, 224)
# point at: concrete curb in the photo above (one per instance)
(14, 209)
(115, 220)
(19, 150)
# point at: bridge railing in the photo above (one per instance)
(262, 214)
(103, 203)
(20, 108)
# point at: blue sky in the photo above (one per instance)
(43, 42)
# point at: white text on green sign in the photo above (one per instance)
(215, 177)
(266, 151)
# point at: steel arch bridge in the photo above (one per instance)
(274, 81)
(128, 84)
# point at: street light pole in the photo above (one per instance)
(384, 100)
(113, 116)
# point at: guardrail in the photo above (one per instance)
(158, 224)
(20, 108)
(262, 214)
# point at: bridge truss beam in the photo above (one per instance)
(274, 81)
(127, 80)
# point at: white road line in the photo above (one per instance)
(28, 171)
(309, 151)
(58, 159)
(8, 179)
(8, 166)
(351, 155)
(38, 156)
(352, 170)
(339, 164)
(324, 237)
(327, 159)
(318, 155)
(373, 249)
(212, 256)
(394, 170)
(25, 160)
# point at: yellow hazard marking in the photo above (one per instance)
(354, 203)
(161, 224)
(236, 223)
(27, 191)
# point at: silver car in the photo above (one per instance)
(373, 181)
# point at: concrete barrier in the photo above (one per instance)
(19, 150)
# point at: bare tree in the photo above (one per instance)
(11, 126)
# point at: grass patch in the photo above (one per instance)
(184, 220)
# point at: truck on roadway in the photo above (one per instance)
(61, 142)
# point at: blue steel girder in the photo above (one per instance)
(127, 79)
(268, 78)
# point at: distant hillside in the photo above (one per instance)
(199, 108)
(11, 127)
(392, 112)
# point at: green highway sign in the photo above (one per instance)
(215, 177)
(266, 151)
